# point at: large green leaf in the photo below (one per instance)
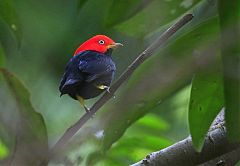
(139, 148)
(122, 10)
(229, 14)
(31, 146)
(153, 122)
(9, 16)
(206, 101)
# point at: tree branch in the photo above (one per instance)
(182, 153)
(71, 131)
(228, 159)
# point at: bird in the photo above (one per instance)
(90, 71)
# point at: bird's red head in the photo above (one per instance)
(99, 43)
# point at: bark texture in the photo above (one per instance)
(182, 153)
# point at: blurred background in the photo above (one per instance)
(148, 113)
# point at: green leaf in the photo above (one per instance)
(122, 10)
(238, 164)
(154, 122)
(206, 101)
(4, 151)
(229, 14)
(31, 138)
(151, 143)
(9, 16)
(81, 3)
(2, 56)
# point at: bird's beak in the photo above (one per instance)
(114, 45)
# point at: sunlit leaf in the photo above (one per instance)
(150, 142)
(153, 122)
(205, 103)
(9, 16)
(3, 150)
(122, 10)
(31, 138)
(139, 148)
(230, 39)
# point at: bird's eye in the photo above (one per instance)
(101, 41)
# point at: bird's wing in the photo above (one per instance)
(71, 76)
(96, 66)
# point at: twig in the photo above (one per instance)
(72, 130)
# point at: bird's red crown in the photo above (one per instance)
(99, 43)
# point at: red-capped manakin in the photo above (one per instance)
(91, 70)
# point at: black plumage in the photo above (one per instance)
(85, 71)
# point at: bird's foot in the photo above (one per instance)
(104, 87)
(108, 89)
(86, 109)
(82, 103)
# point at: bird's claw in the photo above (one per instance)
(108, 89)
(86, 109)
(104, 87)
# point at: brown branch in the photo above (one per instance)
(71, 131)
(182, 153)
(228, 159)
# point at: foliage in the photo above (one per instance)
(148, 113)
(121, 11)
(31, 144)
(4, 152)
(2, 56)
(206, 101)
(229, 14)
(9, 18)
